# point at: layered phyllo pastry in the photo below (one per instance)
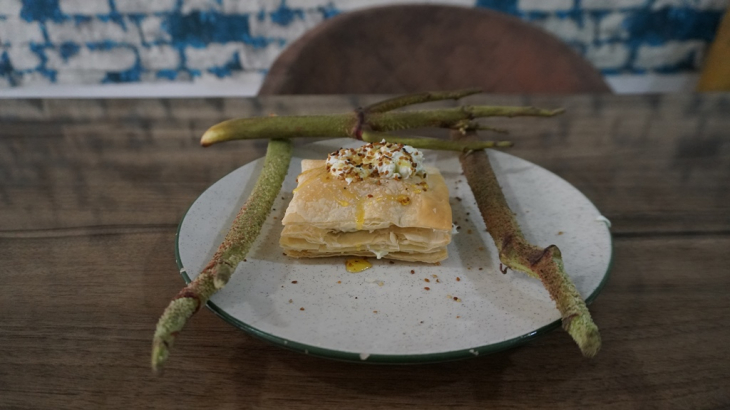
(376, 200)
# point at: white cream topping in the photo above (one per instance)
(377, 160)
(379, 253)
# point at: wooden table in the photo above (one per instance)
(91, 192)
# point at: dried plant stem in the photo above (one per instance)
(420, 98)
(230, 253)
(449, 117)
(518, 254)
(435, 143)
(466, 125)
(347, 125)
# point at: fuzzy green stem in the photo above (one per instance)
(465, 126)
(411, 99)
(449, 117)
(314, 126)
(434, 143)
(343, 125)
(518, 254)
(244, 231)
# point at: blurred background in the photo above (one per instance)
(118, 48)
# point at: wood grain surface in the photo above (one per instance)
(91, 192)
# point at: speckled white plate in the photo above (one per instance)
(385, 314)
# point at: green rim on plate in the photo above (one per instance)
(386, 358)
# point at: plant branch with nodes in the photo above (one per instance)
(516, 253)
(378, 117)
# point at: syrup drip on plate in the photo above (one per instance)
(356, 265)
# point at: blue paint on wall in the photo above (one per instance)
(228, 68)
(40, 51)
(131, 75)
(328, 11)
(128, 76)
(68, 50)
(576, 14)
(78, 20)
(199, 29)
(687, 63)
(505, 6)
(672, 23)
(534, 15)
(115, 18)
(103, 45)
(41, 10)
(284, 15)
(6, 69)
(167, 74)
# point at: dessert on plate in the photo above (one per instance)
(376, 200)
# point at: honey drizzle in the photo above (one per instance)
(322, 175)
(360, 214)
(356, 265)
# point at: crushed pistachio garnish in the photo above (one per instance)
(376, 160)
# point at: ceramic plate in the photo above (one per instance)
(386, 314)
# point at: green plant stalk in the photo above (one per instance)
(244, 231)
(420, 98)
(518, 254)
(466, 125)
(311, 126)
(345, 125)
(435, 143)
(449, 117)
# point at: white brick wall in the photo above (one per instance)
(260, 58)
(144, 6)
(296, 28)
(211, 56)
(246, 6)
(80, 76)
(307, 4)
(94, 30)
(205, 5)
(237, 81)
(611, 4)
(611, 27)
(608, 56)
(668, 53)
(152, 30)
(349, 5)
(159, 57)
(84, 7)
(21, 57)
(147, 43)
(18, 31)
(10, 7)
(567, 29)
(252, 58)
(700, 4)
(544, 5)
(34, 79)
(116, 59)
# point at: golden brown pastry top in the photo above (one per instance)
(325, 201)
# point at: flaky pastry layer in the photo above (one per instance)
(328, 202)
(398, 219)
